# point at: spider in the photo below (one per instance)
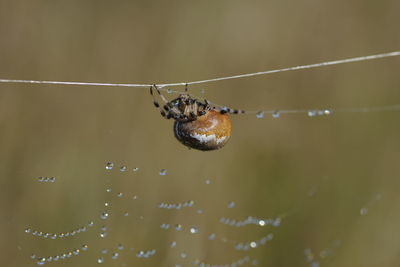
(197, 125)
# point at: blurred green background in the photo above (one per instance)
(315, 172)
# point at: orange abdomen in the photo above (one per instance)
(208, 132)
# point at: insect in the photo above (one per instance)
(197, 125)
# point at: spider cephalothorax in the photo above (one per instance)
(197, 124)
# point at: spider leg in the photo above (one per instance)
(168, 111)
(163, 111)
(224, 110)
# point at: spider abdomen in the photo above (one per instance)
(207, 132)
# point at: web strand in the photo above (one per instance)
(302, 67)
(274, 113)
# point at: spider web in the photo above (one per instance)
(141, 215)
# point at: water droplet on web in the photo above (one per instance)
(85, 247)
(231, 205)
(178, 227)
(312, 113)
(41, 261)
(104, 215)
(169, 91)
(120, 247)
(28, 230)
(109, 166)
(135, 169)
(212, 236)
(164, 226)
(172, 244)
(103, 234)
(100, 260)
(108, 190)
(276, 114)
(106, 204)
(363, 211)
(183, 255)
(260, 115)
(253, 244)
(120, 194)
(123, 168)
(114, 256)
(163, 172)
(194, 230)
(327, 112)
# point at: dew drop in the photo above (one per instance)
(260, 115)
(90, 224)
(107, 204)
(123, 168)
(276, 114)
(327, 112)
(135, 169)
(169, 91)
(85, 247)
(364, 211)
(41, 261)
(231, 205)
(109, 166)
(104, 215)
(114, 255)
(193, 230)
(28, 230)
(120, 194)
(178, 227)
(253, 244)
(120, 247)
(261, 223)
(312, 113)
(163, 172)
(100, 260)
(103, 234)
(212, 236)
(172, 244)
(183, 255)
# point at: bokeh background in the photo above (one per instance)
(317, 174)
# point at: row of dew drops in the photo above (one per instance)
(310, 113)
(244, 246)
(240, 246)
(194, 230)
